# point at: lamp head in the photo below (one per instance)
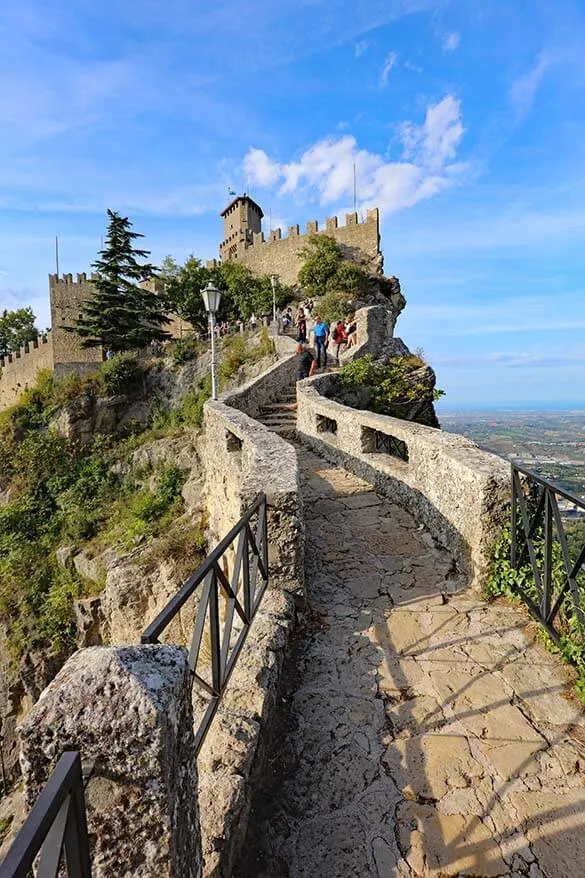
(211, 298)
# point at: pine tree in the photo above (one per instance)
(121, 316)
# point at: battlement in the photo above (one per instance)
(19, 369)
(26, 349)
(67, 279)
(280, 253)
(332, 227)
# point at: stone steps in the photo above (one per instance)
(281, 417)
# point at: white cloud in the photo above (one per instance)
(260, 169)
(389, 64)
(325, 171)
(523, 91)
(435, 141)
(450, 42)
(361, 46)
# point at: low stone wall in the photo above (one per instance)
(250, 398)
(242, 458)
(445, 481)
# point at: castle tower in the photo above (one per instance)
(68, 297)
(242, 218)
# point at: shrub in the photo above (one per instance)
(507, 581)
(185, 349)
(121, 374)
(390, 385)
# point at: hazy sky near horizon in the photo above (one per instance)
(464, 119)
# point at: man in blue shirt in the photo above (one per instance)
(321, 336)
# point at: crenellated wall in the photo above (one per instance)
(360, 242)
(19, 370)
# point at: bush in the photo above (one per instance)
(121, 374)
(185, 349)
(334, 306)
(390, 385)
(507, 581)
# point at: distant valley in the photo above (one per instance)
(552, 443)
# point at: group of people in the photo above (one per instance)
(344, 334)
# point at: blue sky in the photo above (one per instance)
(466, 121)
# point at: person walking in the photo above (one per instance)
(321, 337)
(339, 336)
(301, 323)
(305, 362)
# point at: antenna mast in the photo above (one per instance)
(354, 189)
(57, 254)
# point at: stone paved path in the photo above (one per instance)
(422, 736)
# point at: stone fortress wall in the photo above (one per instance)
(67, 299)
(19, 370)
(61, 351)
(360, 242)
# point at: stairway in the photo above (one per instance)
(281, 417)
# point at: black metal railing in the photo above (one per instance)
(226, 635)
(539, 545)
(57, 824)
(386, 444)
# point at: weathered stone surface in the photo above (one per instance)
(408, 750)
(457, 491)
(129, 711)
(242, 458)
(232, 755)
(554, 823)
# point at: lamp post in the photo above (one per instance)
(273, 279)
(211, 299)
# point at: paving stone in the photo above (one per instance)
(424, 736)
(555, 826)
(441, 845)
(421, 766)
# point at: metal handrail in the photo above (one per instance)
(251, 562)
(57, 821)
(535, 518)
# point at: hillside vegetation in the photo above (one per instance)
(59, 492)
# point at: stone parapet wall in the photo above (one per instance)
(268, 387)
(360, 242)
(242, 458)
(19, 370)
(458, 491)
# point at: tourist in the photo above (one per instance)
(351, 330)
(339, 336)
(305, 362)
(253, 322)
(321, 337)
(301, 324)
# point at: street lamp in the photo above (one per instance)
(273, 279)
(211, 299)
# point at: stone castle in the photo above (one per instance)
(243, 241)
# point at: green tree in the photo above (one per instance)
(183, 285)
(322, 258)
(326, 271)
(121, 316)
(16, 329)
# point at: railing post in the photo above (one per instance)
(514, 514)
(216, 668)
(547, 584)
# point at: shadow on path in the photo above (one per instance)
(419, 734)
